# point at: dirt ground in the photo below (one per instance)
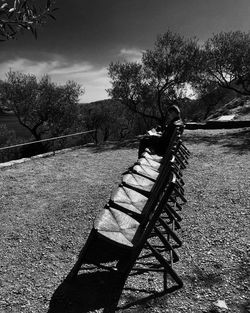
(47, 207)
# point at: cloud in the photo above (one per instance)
(131, 55)
(26, 66)
(92, 78)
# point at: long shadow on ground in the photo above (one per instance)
(234, 140)
(98, 290)
(115, 145)
(88, 292)
(237, 141)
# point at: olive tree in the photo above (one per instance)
(20, 15)
(159, 80)
(43, 107)
(226, 61)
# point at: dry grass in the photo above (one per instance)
(46, 211)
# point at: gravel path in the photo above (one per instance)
(47, 207)
(46, 210)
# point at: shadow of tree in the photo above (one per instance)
(210, 276)
(205, 279)
(115, 145)
(235, 141)
(208, 279)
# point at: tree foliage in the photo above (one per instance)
(44, 108)
(210, 94)
(7, 136)
(226, 61)
(20, 15)
(159, 80)
(111, 119)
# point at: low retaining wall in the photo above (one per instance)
(218, 125)
(44, 155)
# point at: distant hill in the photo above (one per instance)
(231, 106)
(220, 103)
(238, 109)
(100, 103)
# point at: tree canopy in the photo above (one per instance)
(111, 119)
(147, 88)
(43, 107)
(19, 15)
(226, 61)
(175, 63)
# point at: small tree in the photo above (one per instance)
(226, 61)
(105, 116)
(147, 88)
(20, 15)
(44, 108)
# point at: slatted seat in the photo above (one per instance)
(129, 200)
(145, 171)
(137, 179)
(179, 162)
(132, 195)
(149, 162)
(133, 201)
(141, 181)
(118, 236)
(155, 157)
(116, 226)
(139, 239)
(143, 206)
(145, 187)
(155, 161)
(122, 229)
(148, 172)
(138, 182)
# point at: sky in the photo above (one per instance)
(90, 34)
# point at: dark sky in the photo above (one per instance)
(88, 35)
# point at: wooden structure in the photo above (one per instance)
(143, 212)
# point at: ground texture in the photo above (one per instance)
(47, 207)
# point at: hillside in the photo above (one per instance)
(238, 109)
(103, 103)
